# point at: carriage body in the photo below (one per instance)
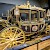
(27, 23)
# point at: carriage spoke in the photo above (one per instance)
(6, 46)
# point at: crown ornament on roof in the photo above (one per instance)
(28, 4)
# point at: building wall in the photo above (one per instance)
(5, 7)
(11, 3)
(43, 3)
(18, 2)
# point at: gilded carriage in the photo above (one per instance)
(27, 22)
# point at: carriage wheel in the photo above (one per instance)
(12, 36)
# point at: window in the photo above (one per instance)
(41, 14)
(24, 16)
(34, 15)
(4, 17)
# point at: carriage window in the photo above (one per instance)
(44, 14)
(34, 15)
(4, 18)
(41, 14)
(24, 16)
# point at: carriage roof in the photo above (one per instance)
(28, 6)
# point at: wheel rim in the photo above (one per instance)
(12, 36)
